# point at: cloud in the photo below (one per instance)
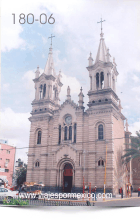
(44, 39)
(15, 128)
(136, 78)
(136, 89)
(135, 127)
(6, 87)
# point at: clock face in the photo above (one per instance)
(68, 120)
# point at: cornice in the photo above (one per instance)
(48, 77)
(103, 91)
(99, 64)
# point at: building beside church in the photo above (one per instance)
(7, 162)
(68, 143)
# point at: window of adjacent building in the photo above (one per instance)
(37, 164)
(6, 170)
(100, 132)
(39, 137)
(0, 158)
(7, 160)
(8, 151)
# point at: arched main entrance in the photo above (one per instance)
(67, 177)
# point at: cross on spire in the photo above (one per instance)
(101, 24)
(51, 38)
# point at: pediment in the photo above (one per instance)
(69, 102)
(66, 151)
(65, 146)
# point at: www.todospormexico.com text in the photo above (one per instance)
(49, 196)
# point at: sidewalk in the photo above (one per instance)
(118, 197)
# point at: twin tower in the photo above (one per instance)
(68, 143)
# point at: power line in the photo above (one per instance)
(85, 142)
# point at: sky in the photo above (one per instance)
(77, 33)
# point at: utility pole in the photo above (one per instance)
(105, 173)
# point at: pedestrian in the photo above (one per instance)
(19, 189)
(95, 193)
(127, 191)
(121, 192)
(139, 191)
(131, 190)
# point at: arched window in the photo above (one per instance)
(75, 126)
(97, 80)
(100, 132)
(102, 80)
(39, 137)
(37, 163)
(65, 133)
(41, 88)
(70, 132)
(55, 93)
(59, 141)
(44, 90)
(101, 163)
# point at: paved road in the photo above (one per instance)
(120, 202)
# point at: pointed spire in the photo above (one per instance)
(49, 68)
(81, 98)
(126, 125)
(102, 51)
(37, 72)
(68, 93)
(90, 60)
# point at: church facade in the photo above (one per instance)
(69, 146)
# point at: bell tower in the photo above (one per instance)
(103, 75)
(47, 87)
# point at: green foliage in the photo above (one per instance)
(134, 151)
(12, 201)
(21, 175)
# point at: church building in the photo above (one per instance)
(69, 146)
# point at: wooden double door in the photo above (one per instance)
(67, 177)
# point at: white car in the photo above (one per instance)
(4, 192)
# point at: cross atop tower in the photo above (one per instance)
(101, 24)
(51, 38)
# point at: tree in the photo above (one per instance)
(134, 151)
(21, 175)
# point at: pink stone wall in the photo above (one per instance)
(10, 165)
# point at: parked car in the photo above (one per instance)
(4, 192)
(39, 184)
